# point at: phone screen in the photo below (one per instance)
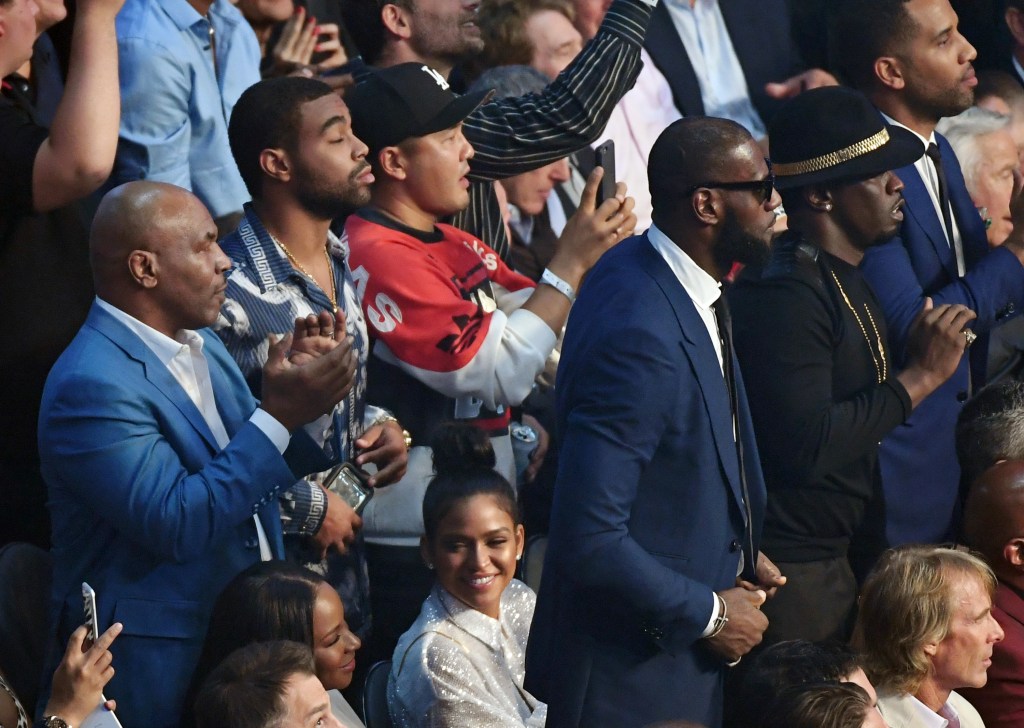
(89, 605)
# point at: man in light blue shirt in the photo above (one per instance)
(183, 64)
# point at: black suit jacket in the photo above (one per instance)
(761, 35)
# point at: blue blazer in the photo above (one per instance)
(647, 518)
(763, 41)
(148, 509)
(920, 472)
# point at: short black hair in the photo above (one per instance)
(785, 664)
(689, 152)
(990, 428)
(267, 117)
(464, 462)
(365, 26)
(862, 31)
(247, 689)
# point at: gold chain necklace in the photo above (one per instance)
(881, 370)
(330, 271)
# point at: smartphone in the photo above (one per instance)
(605, 157)
(351, 484)
(100, 717)
(349, 67)
(89, 605)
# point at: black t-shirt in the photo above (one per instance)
(20, 139)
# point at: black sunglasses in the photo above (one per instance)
(764, 186)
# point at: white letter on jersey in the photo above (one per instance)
(386, 315)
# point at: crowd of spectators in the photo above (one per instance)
(344, 385)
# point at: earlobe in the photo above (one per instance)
(392, 162)
(889, 73)
(396, 21)
(142, 268)
(819, 198)
(705, 206)
(274, 163)
(930, 648)
(1013, 552)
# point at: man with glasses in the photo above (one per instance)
(659, 499)
(825, 391)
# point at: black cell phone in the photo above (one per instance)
(351, 484)
(605, 157)
(349, 67)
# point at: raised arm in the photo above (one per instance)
(79, 153)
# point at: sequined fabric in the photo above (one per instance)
(458, 667)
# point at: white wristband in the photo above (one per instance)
(559, 285)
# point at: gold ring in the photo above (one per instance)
(970, 336)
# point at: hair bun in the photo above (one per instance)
(460, 448)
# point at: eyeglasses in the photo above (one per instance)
(764, 186)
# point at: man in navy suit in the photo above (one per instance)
(162, 469)
(915, 66)
(659, 500)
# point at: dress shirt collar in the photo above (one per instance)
(700, 286)
(930, 139)
(184, 16)
(264, 258)
(1017, 67)
(165, 348)
(929, 718)
(476, 624)
(521, 223)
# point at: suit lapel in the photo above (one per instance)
(972, 229)
(154, 369)
(669, 55)
(704, 361)
(922, 209)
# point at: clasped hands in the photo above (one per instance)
(743, 602)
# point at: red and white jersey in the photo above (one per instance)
(445, 309)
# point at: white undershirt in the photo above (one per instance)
(183, 356)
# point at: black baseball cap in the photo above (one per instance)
(408, 100)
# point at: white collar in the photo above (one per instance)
(162, 345)
(700, 286)
(930, 139)
(929, 718)
(486, 629)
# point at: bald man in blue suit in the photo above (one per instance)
(155, 454)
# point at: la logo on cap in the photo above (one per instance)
(438, 78)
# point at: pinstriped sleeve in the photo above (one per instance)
(515, 135)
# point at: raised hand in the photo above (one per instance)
(295, 394)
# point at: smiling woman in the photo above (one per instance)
(462, 661)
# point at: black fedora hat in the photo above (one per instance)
(834, 134)
(406, 100)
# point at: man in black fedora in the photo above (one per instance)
(812, 343)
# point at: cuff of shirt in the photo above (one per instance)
(320, 429)
(303, 508)
(714, 616)
(274, 430)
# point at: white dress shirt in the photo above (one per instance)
(723, 87)
(183, 356)
(926, 168)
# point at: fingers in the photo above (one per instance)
(928, 304)
(105, 641)
(290, 34)
(76, 643)
(277, 351)
(588, 199)
(307, 42)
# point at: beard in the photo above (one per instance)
(738, 245)
(329, 201)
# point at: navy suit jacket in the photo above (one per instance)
(920, 472)
(148, 509)
(647, 518)
(763, 40)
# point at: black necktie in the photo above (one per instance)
(947, 217)
(724, 321)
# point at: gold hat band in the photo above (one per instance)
(831, 159)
